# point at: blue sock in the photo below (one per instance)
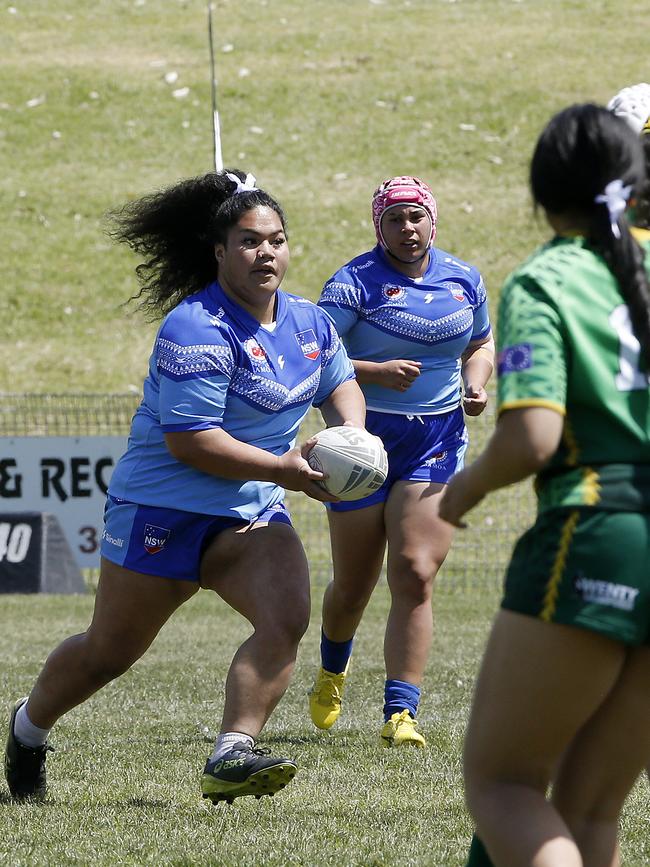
(334, 654)
(400, 695)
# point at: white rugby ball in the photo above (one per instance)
(354, 460)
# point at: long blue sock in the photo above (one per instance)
(400, 695)
(478, 857)
(334, 654)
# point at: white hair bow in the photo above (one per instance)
(615, 196)
(245, 186)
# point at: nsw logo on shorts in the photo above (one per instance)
(155, 538)
(308, 343)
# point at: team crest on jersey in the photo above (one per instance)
(455, 290)
(155, 538)
(438, 458)
(393, 293)
(256, 354)
(308, 343)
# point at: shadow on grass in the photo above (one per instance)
(146, 803)
(318, 737)
(7, 800)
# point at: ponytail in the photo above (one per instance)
(175, 230)
(626, 260)
(587, 163)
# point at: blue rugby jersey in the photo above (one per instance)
(383, 315)
(214, 365)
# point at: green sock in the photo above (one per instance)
(478, 856)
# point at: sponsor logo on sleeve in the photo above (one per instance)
(514, 359)
(155, 538)
(217, 317)
(362, 266)
(308, 343)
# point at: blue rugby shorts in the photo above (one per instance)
(167, 542)
(420, 448)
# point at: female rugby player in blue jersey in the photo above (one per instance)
(197, 499)
(415, 323)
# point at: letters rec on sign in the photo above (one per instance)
(64, 476)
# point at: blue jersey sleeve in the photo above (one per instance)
(481, 327)
(193, 381)
(341, 297)
(336, 367)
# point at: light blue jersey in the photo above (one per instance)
(214, 365)
(384, 315)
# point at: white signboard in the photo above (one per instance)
(65, 476)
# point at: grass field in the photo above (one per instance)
(125, 775)
(321, 99)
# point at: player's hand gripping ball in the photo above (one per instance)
(354, 461)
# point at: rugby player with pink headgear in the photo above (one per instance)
(415, 323)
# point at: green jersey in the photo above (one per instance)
(565, 341)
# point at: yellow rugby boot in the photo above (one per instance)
(325, 698)
(402, 730)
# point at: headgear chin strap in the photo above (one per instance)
(404, 190)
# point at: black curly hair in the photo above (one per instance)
(175, 231)
(581, 150)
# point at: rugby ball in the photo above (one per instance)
(354, 460)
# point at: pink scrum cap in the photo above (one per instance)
(405, 190)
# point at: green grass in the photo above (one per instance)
(124, 779)
(346, 93)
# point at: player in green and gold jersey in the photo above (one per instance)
(632, 104)
(563, 691)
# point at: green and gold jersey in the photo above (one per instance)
(565, 341)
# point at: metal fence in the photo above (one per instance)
(478, 555)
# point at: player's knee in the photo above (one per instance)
(353, 598)
(412, 578)
(285, 628)
(107, 660)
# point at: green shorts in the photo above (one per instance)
(585, 568)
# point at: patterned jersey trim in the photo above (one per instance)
(328, 352)
(268, 395)
(419, 328)
(341, 294)
(185, 362)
